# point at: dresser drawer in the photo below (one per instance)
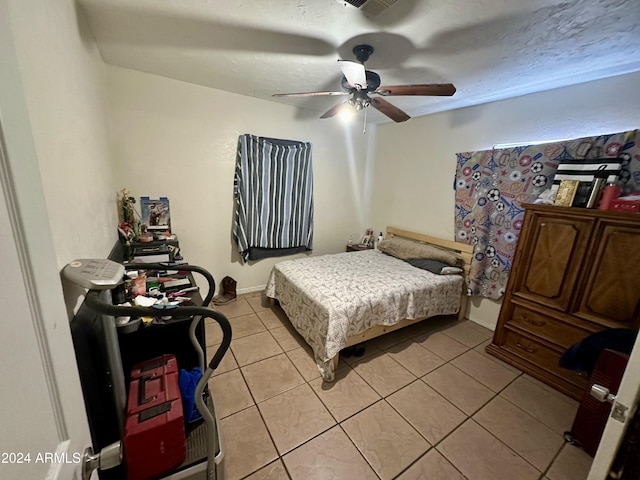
(550, 329)
(541, 356)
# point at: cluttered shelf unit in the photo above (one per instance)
(139, 331)
(141, 340)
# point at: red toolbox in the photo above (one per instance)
(154, 442)
(153, 382)
(160, 365)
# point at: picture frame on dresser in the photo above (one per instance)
(583, 191)
(566, 193)
(573, 193)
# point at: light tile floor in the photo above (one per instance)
(424, 402)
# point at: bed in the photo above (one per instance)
(338, 300)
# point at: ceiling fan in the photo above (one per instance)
(360, 83)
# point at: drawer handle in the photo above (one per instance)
(535, 323)
(526, 349)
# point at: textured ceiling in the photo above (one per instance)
(489, 49)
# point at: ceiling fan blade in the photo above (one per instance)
(391, 111)
(434, 89)
(333, 110)
(308, 94)
(354, 73)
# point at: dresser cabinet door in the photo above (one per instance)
(555, 247)
(576, 272)
(610, 294)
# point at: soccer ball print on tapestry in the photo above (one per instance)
(493, 185)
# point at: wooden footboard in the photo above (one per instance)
(376, 331)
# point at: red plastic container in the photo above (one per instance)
(609, 194)
(153, 382)
(160, 365)
(629, 204)
(154, 442)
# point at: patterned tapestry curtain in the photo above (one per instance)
(273, 190)
(492, 185)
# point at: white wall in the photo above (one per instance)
(415, 162)
(43, 408)
(64, 80)
(179, 140)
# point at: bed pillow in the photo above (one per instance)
(406, 249)
(434, 266)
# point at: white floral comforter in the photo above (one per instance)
(330, 297)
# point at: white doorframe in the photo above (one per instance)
(627, 396)
(44, 413)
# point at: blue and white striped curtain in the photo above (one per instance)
(274, 197)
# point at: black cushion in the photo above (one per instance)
(434, 266)
(583, 356)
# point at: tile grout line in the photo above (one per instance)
(339, 423)
(471, 417)
(384, 351)
(255, 404)
(307, 382)
(468, 417)
(517, 406)
(433, 446)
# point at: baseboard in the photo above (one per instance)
(242, 291)
(484, 323)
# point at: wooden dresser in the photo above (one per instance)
(575, 272)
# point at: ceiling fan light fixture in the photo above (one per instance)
(346, 114)
(359, 102)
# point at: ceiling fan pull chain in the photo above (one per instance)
(364, 127)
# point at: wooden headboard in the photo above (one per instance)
(463, 250)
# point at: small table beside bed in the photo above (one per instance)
(338, 300)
